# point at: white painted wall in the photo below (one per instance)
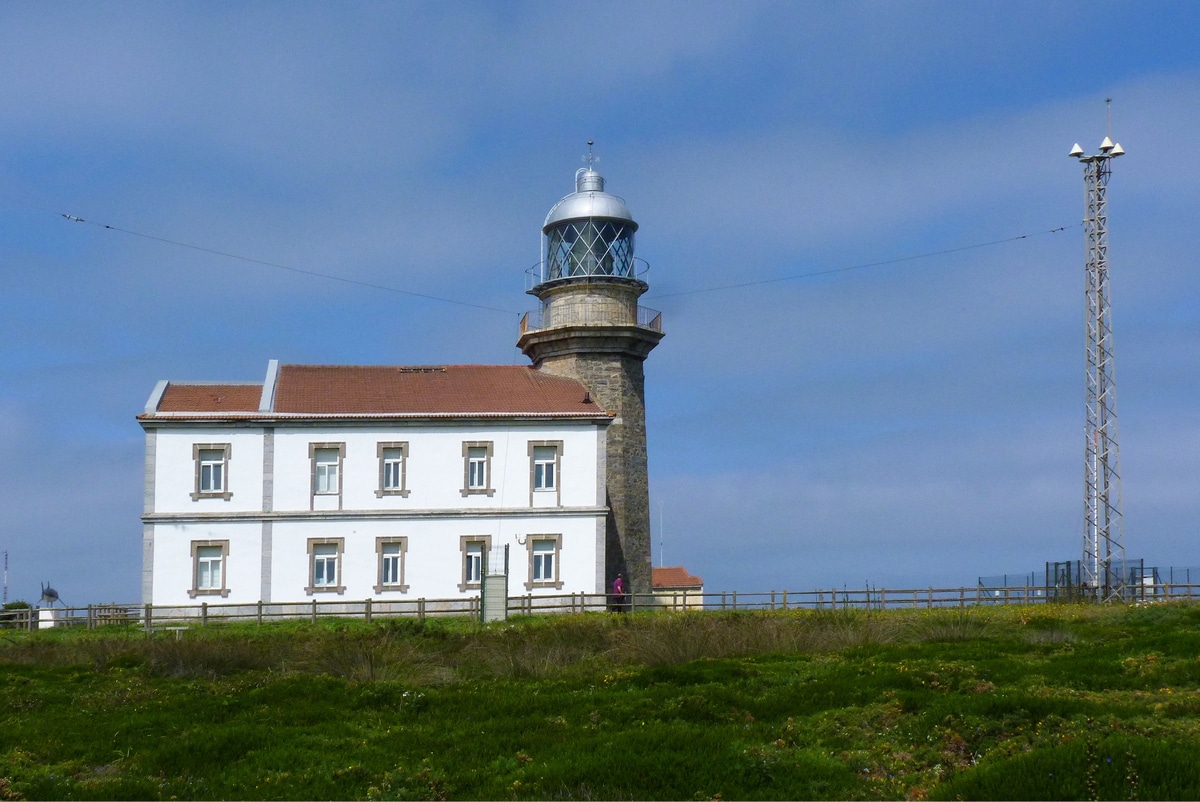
(175, 470)
(435, 466)
(173, 560)
(433, 516)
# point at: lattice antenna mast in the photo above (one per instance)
(1103, 567)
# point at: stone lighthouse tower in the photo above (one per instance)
(592, 329)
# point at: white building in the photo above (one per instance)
(328, 482)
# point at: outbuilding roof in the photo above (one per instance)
(356, 391)
(673, 577)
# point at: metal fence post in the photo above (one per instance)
(314, 611)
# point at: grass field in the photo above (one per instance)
(1048, 702)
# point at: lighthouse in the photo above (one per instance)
(591, 328)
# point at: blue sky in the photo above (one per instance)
(909, 424)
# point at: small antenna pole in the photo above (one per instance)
(6, 576)
(591, 158)
(660, 534)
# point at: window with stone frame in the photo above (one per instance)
(325, 565)
(544, 552)
(393, 469)
(472, 549)
(209, 564)
(325, 466)
(477, 468)
(211, 471)
(390, 553)
(545, 475)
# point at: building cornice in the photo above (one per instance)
(623, 340)
(253, 420)
(258, 516)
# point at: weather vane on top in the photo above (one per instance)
(591, 158)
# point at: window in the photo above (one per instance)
(544, 459)
(390, 551)
(477, 468)
(472, 548)
(474, 566)
(392, 470)
(544, 553)
(325, 565)
(544, 478)
(326, 460)
(212, 471)
(543, 561)
(327, 470)
(208, 568)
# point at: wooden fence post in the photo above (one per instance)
(368, 611)
(314, 611)
(260, 612)
(203, 614)
(421, 609)
(148, 618)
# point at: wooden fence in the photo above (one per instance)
(178, 617)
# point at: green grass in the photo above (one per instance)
(1054, 702)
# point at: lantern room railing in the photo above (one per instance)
(541, 273)
(646, 319)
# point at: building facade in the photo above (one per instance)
(372, 482)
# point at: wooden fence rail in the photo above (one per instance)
(154, 617)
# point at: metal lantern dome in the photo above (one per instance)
(588, 233)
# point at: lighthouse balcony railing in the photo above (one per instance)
(547, 271)
(586, 316)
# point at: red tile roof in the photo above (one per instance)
(675, 576)
(210, 398)
(383, 391)
(449, 389)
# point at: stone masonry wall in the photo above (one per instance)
(617, 383)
